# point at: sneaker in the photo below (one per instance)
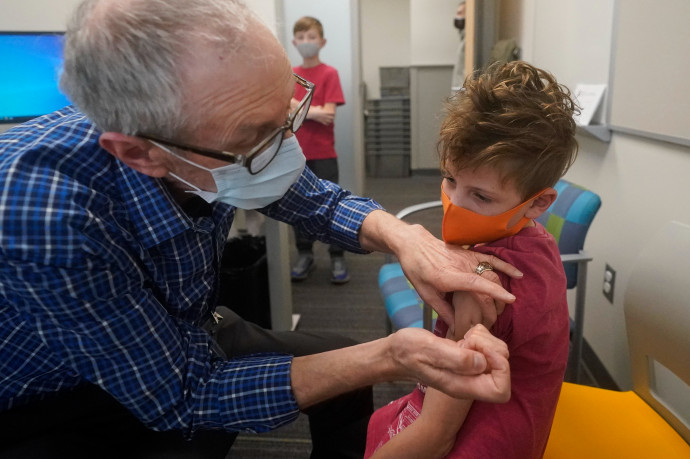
(305, 265)
(339, 272)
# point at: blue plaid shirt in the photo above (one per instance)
(105, 279)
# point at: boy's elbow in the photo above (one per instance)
(445, 446)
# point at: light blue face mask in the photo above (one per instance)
(237, 187)
(308, 49)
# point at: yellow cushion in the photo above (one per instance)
(592, 423)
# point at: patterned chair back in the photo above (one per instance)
(568, 220)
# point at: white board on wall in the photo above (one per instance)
(36, 15)
(651, 69)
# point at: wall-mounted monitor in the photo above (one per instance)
(30, 64)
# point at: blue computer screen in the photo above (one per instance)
(30, 64)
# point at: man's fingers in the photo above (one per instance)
(467, 362)
(500, 375)
(480, 339)
(436, 354)
(493, 386)
(500, 265)
(480, 285)
(438, 303)
(497, 378)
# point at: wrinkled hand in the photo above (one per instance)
(436, 268)
(496, 378)
(475, 367)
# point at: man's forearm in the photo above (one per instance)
(382, 232)
(318, 377)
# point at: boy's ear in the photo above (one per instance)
(541, 203)
(134, 152)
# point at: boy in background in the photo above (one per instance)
(507, 137)
(316, 136)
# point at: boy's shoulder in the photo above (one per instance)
(531, 245)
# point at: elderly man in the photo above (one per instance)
(113, 216)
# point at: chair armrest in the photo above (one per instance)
(575, 257)
(418, 208)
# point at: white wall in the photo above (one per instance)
(643, 183)
(36, 15)
(385, 39)
(267, 11)
(433, 38)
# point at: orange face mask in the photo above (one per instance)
(464, 227)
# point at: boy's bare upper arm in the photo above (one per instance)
(468, 312)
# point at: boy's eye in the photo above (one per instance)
(449, 178)
(481, 197)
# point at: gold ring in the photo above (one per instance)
(483, 266)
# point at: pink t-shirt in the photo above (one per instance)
(536, 330)
(317, 140)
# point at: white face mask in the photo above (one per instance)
(237, 187)
(308, 49)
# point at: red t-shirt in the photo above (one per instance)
(317, 140)
(536, 330)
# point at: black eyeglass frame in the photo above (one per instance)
(247, 159)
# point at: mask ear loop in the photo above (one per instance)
(177, 177)
(191, 185)
(524, 204)
(180, 157)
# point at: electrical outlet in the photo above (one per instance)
(609, 283)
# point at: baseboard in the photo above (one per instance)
(595, 369)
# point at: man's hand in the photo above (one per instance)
(496, 378)
(475, 367)
(434, 267)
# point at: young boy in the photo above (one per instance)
(316, 136)
(507, 138)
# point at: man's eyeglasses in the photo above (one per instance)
(261, 155)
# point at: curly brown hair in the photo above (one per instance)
(515, 117)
